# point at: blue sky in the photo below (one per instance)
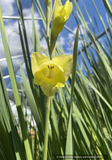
(9, 9)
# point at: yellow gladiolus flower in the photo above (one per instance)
(51, 74)
(61, 14)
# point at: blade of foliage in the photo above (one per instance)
(69, 141)
(32, 104)
(41, 12)
(10, 123)
(35, 34)
(14, 86)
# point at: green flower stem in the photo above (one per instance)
(48, 4)
(52, 46)
(47, 107)
(47, 20)
(47, 24)
(53, 9)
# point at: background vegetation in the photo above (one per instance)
(81, 113)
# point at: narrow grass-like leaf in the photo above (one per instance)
(32, 104)
(101, 19)
(5, 144)
(41, 12)
(13, 134)
(69, 141)
(108, 7)
(14, 86)
(19, 6)
(36, 40)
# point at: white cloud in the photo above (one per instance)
(19, 71)
(7, 7)
(27, 13)
(3, 65)
(68, 53)
(43, 43)
(11, 28)
(81, 31)
(71, 37)
(72, 45)
(62, 40)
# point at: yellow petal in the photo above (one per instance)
(57, 26)
(66, 62)
(49, 72)
(49, 89)
(51, 75)
(50, 69)
(37, 60)
(40, 78)
(67, 9)
(60, 78)
(61, 14)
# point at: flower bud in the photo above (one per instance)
(61, 14)
(48, 4)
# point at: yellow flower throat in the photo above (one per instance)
(50, 70)
(50, 67)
